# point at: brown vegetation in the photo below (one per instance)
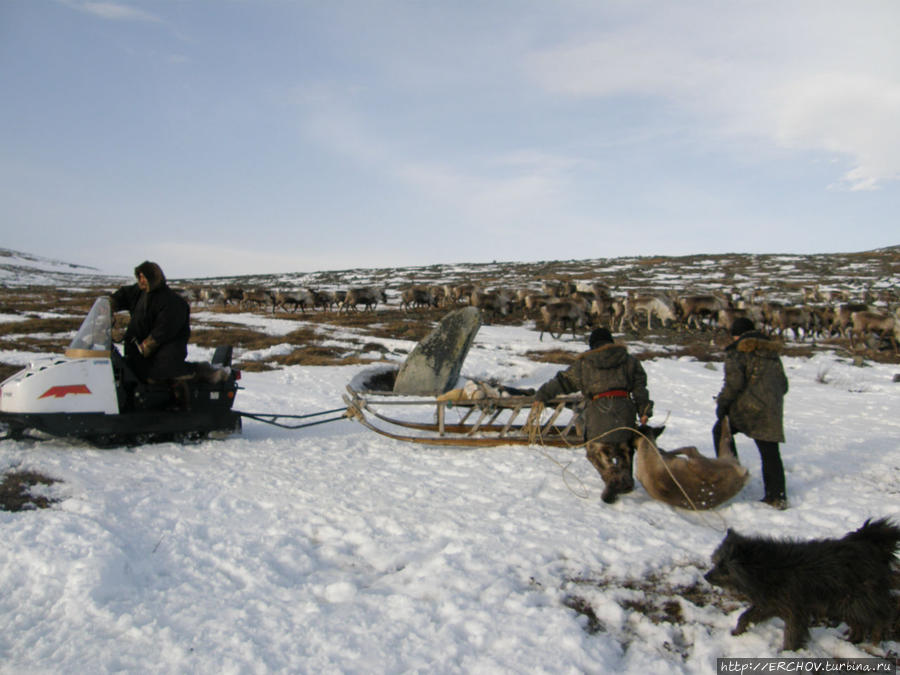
(16, 491)
(313, 342)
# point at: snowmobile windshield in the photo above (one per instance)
(94, 338)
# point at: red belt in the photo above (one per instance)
(612, 393)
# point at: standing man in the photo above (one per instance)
(614, 386)
(157, 335)
(752, 397)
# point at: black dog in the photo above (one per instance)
(847, 579)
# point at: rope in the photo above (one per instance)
(532, 428)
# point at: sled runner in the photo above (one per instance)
(477, 415)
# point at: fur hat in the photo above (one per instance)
(741, 325)
(153, 272)
(599, 337)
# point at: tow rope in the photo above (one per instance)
(272, 418)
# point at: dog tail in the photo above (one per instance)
(881, 533)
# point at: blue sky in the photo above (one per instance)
(234, 137)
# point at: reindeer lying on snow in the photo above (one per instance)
(684, 477)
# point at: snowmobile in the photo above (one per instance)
(92, 394)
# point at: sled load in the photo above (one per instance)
(92, 394)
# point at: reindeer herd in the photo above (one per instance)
(562, 306)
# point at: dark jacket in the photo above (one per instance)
(755, 384)
(160, 323)
(606, 369)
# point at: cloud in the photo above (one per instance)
(847, 114)
(498, 189)
(113, 11)
(818, 77)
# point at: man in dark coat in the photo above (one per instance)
(157, 335)
(752, 397)
(614, 386)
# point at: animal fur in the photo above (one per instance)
(699, 482)
(803, 582)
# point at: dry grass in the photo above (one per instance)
(553, 356)
(16, 491)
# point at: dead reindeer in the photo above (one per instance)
(684, 477)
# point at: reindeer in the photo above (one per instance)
(417, 296)
(866, 323)
(795, 318)
(534, 301)
(324, 299)
(556, 315)
(301, 298)
(460, 293)
(659, 305)
(726, 317)
(684, 477)
(559, 289)
(843, 316)
(492, 303)
(821, 318)
(603, 312)
(368, 296)
(695, 307)
(235, 293)
(210, 296)
(258, 297)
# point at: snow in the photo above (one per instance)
(333, 549)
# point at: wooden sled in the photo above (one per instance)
(454, 420)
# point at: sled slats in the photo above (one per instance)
(481, 424)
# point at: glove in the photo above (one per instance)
(148, 346)
(721, 411)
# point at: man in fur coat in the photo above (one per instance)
(752, 397)
(614, 386)
(157, 335)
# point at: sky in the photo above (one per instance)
(235, 137)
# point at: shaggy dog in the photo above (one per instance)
(847, 579)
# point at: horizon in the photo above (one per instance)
(282, 136)
(34, 262)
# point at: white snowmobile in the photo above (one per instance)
(92, 394)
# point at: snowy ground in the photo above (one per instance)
(335, 550)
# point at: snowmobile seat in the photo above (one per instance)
(222, 355)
